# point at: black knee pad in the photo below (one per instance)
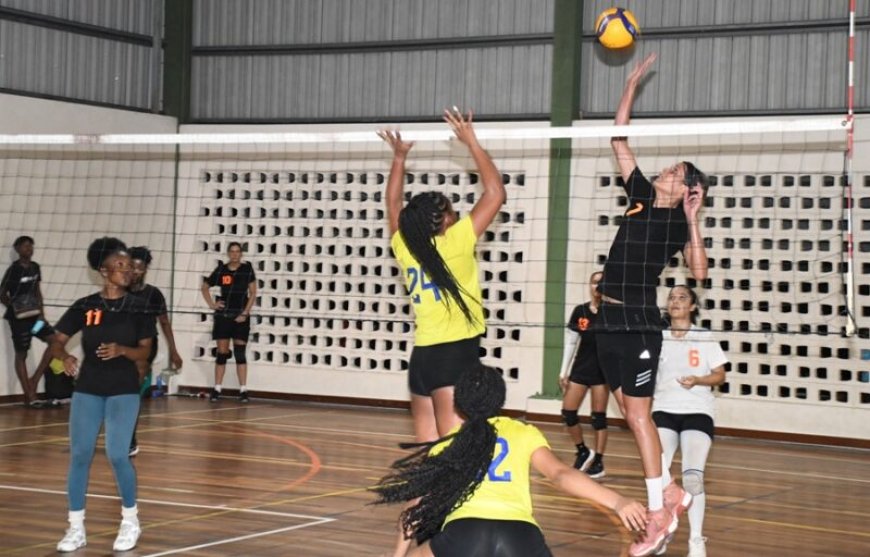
(599, 420)
(222, 358)
(570, 417)
(239, 353)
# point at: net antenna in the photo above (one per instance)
(849, 271)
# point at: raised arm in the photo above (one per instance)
(494, 195)
(624, 156)
(396, 181)
(694, 251)
(578, 484)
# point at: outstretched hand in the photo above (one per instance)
(640, 69)
(693, 198)
(632, 514)
(461, 124)
(394, 139)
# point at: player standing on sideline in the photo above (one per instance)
(661, 220)
(116, 332)
(471, 488)
(232, 316)
(436, 254)
(683, 406)
(585, 375)
(21, 294)
(155, 304)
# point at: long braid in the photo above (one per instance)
(419, 222)
(443, 482)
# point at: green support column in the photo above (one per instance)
(178, 40)
(565, 103)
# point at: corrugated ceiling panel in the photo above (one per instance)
(777, 73)
(657, 14)
(44, 61)
(135, 16)
(373, 85)
(270, 22)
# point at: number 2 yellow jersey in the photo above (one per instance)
(436, 321)
(504, 493)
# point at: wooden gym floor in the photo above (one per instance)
(281, 478)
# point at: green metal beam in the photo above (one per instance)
(564, 107)
(178, 42)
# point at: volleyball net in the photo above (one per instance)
(308, 207)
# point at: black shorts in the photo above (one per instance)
(473, 537)
(226, 327)
(440, 365)
(22, 335)
(682, 422)
(629, 341)
(587, 372)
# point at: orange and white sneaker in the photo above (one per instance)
(676, 499)
(660, 524)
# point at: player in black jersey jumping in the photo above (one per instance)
(232, 315)
(661, 220)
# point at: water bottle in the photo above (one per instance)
(158, 388)
(37, 326)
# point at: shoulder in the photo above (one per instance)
(87, 302)
(700, 333)
(462, 227)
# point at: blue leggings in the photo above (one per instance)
(86, 417)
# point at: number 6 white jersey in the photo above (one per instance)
(696, 353)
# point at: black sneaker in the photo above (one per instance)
(214, 396)
(134, 450)
(243, 397)
(596, 469)
(584, 458)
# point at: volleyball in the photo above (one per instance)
(616, 28)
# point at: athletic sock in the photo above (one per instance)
(77, 519)
(654, 493)
(666, 473)
(217, 387)
(242, 388)
(130, 514)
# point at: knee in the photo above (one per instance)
(599, 420)
(239, 354)
(570, 417)
(693, 481)
(222, 358)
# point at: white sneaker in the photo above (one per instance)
(698, 547)
(72, 540)
(128, 535)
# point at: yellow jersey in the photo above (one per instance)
(436, 322)
(504, 493)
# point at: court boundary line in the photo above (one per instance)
(312, 520)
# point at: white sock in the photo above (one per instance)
(130, 514)
(654, 493)
(217, 387)
(666, 473)
(77, 519)
(696, 516)
(242, 389)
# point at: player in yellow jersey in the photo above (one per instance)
(436, 253)
(471, 488)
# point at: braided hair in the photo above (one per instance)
(443, 482)
(419, 222)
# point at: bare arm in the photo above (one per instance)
(714, 379)
(57, 346)
(624, 155)
(494, 194)
(166, 327)
(396, 181)
(694, 250)
(578, 484)
(206, 295)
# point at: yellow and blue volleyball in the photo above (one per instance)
(616, 28)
